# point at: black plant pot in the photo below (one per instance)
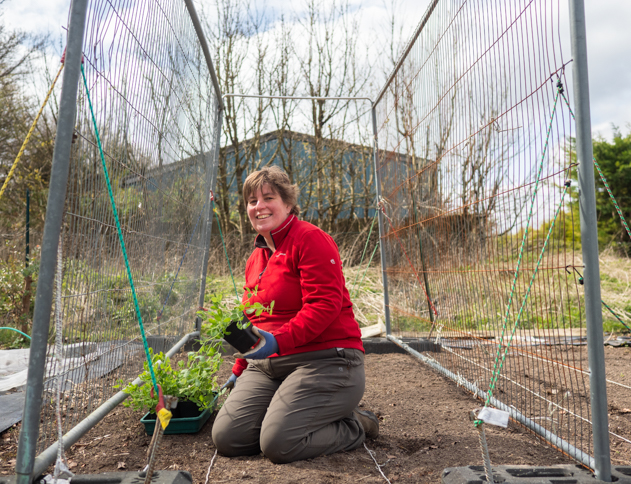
(241, 339)
(187, 418)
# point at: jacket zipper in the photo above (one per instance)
(266, 264)
(263, 272)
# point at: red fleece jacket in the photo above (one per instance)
(312, 307)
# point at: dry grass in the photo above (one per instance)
(363, 285)
(615, 285)
(366, 290)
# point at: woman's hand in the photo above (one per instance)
(266, 346)
(231, 383)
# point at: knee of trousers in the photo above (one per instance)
(276, 447)
(230, 443)
(222, 438)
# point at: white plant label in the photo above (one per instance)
(494, 416)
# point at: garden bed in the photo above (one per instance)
(424, 428)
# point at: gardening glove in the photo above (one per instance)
(266, 346)
(231, 383)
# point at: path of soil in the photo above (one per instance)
(424, 428)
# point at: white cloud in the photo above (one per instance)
(608, 41)
(37, 16)
(608, 37)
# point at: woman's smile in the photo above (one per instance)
(266, 210)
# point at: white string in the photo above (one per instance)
(210, 466)
(529, 390)
(550, 402)
(620, 437)
(370, 453)
(561, 364)
(61, 465)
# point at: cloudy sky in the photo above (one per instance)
(608, 37)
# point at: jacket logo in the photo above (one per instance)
(282, 253)
(332, 261)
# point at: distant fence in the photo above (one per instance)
(481, 232)
(154, 103)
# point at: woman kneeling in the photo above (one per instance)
(298, 389)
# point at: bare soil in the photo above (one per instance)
(424, 428)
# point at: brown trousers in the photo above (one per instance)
(294, 407)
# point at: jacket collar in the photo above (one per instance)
(278, 234)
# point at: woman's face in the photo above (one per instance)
(267, 210)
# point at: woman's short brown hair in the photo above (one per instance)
(278, 181)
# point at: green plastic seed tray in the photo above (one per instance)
(186, 419)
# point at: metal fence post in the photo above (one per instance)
(213, 77)
(209, 220)
(52, 228)
(382, 250)
(589, 242)
(205, 50)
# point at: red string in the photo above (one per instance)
(380, 206)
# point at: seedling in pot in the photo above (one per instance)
(232, 324)
(193, 380)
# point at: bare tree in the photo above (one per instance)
(17, 112)
(329, 67)
(241, 57)
(316, 54)
(285, 83)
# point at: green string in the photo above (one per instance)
(496, 368)
(610, 310)
(604, 180)
(120, 236)
(525, 299)
(24, 334)
(613, 199)
(355, 289)
(223, 242)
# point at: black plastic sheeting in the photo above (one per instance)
(159, 477)
(569, 474)
(103, 362)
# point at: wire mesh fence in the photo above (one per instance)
(147, 102)
(477, 167)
